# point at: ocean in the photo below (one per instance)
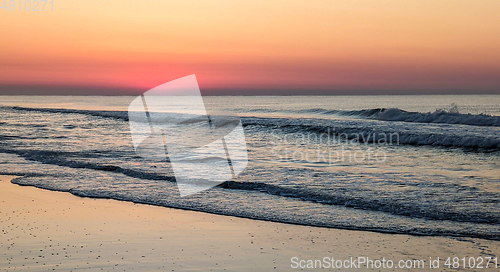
(423, 165)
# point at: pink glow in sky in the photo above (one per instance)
(253, 47)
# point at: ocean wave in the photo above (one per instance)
(356, 113)
(339, 196)
(359, 133)
(66, 159)
(371, 135)
(121, 115)
(372, 204)
(439, 116)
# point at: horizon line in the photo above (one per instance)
(87, 90)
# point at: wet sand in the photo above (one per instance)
(42, 230)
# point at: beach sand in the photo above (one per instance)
(43, 230)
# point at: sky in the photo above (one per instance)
(253, 47)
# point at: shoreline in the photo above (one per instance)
(381, 231)
(44, 229)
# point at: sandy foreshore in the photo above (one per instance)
(45, 231)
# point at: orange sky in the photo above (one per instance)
(254, 47)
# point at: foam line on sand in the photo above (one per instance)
(43, 230)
